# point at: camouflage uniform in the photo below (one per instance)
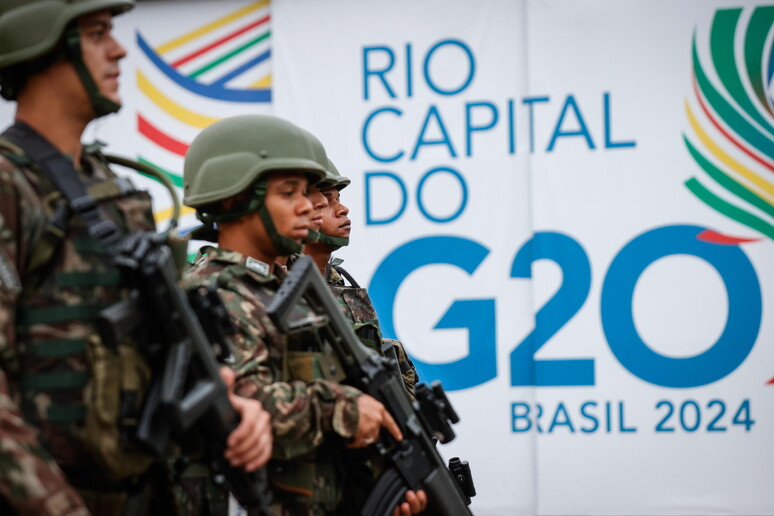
(364, 465)
(49, 346)
(312, 414)
(356, 306)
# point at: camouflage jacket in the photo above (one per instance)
(310, 414)
(46, 324)
(356, 306)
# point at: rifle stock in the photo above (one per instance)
(413, 463)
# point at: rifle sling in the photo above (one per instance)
(62, 174)
(341, 270)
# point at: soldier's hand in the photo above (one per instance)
(249, 445)
(373, 416)
(415, 503)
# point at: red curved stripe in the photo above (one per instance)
(770, 382)
(713, 237)
(217, 43)
(160, 138)
(725, 133)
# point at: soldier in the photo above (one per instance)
(363, 467)
(249, 176)
(67, 400)
(334, 234)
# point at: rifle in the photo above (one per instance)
(187, 389)
(413, 463)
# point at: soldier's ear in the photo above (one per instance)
(228, 204)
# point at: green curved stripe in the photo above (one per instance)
(722, 49)
(727, 112)
(229, 55)
(760, 24)
(176, 179)
(728, 182)
(728, 209)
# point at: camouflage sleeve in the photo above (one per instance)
(30, 481)
(302, 412)
(406, 366)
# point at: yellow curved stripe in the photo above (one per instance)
(264, 82)
(164, 215)
(185, 38)
(172, 108)
(730, 162)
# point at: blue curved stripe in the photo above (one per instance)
(771, 64)
(185, 231)
(242, 69)
(215, 91)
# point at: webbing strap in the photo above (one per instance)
(61, 172)
(87, 246)
(56, 314)
(107, 278)
(341, 270)
(59, 347)
(55, 380)
(66, 413)
(111, 189)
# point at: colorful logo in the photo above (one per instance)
(217, 69)
(731, 115)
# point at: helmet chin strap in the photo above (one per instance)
(101, 105)
(334, 243)
(282, 244)
(312, 237)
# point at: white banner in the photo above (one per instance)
(519, 193)
(564, 209)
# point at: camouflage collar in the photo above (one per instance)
(256, 269)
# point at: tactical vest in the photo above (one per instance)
(84, 397)
(357, 307)
(355, 303)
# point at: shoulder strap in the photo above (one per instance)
(61, 172)
(341, 270)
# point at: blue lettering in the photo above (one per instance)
(621, 424)
(364, 135)
(471, 67)
(409, 72)
(529, 101)
(463, 202)
(432, 113)
(470, 128)
(609, 143)
(520, 417)
(367, 71)
(573, 260)
(371, 221)
(561, 418)
(582, 130)
(511, 128)
(590, 417)
(480, 364)
(742, 323)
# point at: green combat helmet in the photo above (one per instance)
(338, 182)
(235, 155)
(30, 33)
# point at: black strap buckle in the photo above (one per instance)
(105, 232)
